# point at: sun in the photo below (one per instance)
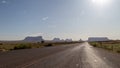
(101, 2)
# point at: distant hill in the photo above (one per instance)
(33, 39)
(56, 40)
(68, 40)
(61, 40)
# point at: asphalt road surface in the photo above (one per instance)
(80, 55)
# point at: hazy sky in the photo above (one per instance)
(59, 18)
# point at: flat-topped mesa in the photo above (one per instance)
(92, 39)
(33, 39)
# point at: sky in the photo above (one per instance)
(59, 18)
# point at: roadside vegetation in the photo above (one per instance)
(109, 45)
(8, 46)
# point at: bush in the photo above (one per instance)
(118, 51)
(48, 45)
(1, 43)
(94, 45)
(42, 41)
(22, 46)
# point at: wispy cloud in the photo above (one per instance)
(4, 1)
(45, 18)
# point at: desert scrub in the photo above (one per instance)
(116, 48)
(22, 46)
(95, 44)
(112, 46)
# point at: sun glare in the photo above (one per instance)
(101, 2)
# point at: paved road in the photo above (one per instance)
(66, 56)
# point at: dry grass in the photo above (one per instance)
(110, 45)
(7, 46)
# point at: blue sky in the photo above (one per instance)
(59, 18)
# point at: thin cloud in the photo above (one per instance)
(4, 1)
(45, 18)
